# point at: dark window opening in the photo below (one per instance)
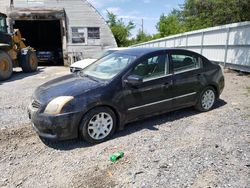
(93, 33)
(78, 34)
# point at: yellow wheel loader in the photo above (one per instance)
(13, 52)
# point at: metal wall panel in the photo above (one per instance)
(217, 37)
(162, 44)
(239, 55)
(214, 53)
(181, 41)
(194, 39)
(193, 49)
(239, 36)
(170, 43)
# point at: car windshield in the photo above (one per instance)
(105, 53)
(109, 66)
(3, 26)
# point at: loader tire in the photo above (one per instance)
(6, 66)
(29, 62)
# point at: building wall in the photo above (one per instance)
(79, 13)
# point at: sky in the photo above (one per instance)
(136, 10)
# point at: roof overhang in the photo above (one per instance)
(36, 13)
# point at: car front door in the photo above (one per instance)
(153, 95)
(187, 77)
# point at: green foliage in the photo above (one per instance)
(207, 13)
(169, 25)
(141, 37)
(120, 30)
(198, 14)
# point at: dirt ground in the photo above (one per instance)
(178, 149)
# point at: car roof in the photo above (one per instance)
(117, 49)
(138, 51)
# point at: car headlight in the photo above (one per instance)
(55, 106)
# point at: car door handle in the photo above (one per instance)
(199, 76)
(167, 84)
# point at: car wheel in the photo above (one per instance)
(206, 100)
(29, 62)
(98, 125)
(5, 65)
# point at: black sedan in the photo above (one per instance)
(122, 87)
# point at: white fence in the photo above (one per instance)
(227, 44)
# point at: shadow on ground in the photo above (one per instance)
(19, 75)
(149, 123)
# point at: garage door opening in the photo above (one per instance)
(46, 37)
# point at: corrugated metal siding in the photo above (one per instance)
(229, 44)
(3, 5)
(194, 40)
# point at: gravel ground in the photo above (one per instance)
(178, 149)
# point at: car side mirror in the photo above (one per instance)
(134, 80)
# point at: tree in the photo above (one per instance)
(169, 25)
(120, 30)
(198, 14)
(142, 37)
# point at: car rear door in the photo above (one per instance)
(153, 95)
(187, 71)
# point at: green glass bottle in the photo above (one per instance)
(115, 156)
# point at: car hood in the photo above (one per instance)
(69, 85)
(82, 63)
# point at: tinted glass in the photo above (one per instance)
(183, 62)
(3, 26)
(152, 67)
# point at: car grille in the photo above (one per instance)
(35, 104)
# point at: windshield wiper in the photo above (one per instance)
(91, 77)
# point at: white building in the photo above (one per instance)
(73, 28)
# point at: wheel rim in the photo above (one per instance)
(33, 61)
(4, 65)
(100, 125)
(208, 99)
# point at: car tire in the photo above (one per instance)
(29, 62)
(206, 100)
(98, 125)
(6, 66)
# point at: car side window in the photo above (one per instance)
(152, 67)
(183, 62)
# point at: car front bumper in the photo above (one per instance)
(55, 127)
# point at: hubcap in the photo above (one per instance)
(208, 99)
(100, 126)
(4, 65)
